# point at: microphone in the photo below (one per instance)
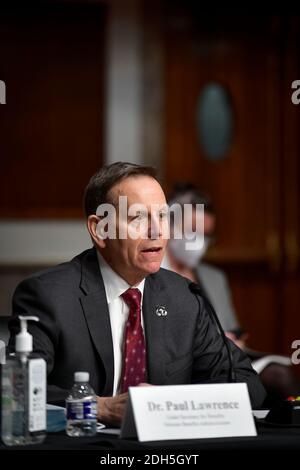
(197, 290)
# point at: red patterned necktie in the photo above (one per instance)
(134, 357)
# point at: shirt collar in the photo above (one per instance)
(114, 284)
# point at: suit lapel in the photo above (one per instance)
(155, 327)
(96, 312)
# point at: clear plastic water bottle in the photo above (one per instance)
(81, 405)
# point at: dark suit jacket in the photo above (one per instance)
(74, 331)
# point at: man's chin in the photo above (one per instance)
(151, 268)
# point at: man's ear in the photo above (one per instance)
(96, 231)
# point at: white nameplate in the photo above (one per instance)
(171, 412)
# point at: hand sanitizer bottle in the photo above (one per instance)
(23, 393)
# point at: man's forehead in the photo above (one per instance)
(139, 189)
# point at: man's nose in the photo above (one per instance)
(154, 227)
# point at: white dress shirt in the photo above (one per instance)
(115, 285)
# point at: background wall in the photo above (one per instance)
(255, 186)
(74, 77)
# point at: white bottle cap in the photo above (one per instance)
(24, 339)
(81, 377)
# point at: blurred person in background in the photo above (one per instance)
(277, 377)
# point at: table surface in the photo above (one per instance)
(268, 438)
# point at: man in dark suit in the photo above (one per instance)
(113, 312)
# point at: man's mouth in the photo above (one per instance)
(153, 249)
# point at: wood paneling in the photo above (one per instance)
(52, 59)
(242, 184)
(256, 187)
(291, 193)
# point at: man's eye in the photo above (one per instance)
(138, 217)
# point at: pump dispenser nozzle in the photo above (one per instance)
(24, 339)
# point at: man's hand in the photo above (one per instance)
(111, 409)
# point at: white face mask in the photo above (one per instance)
(189, 258)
